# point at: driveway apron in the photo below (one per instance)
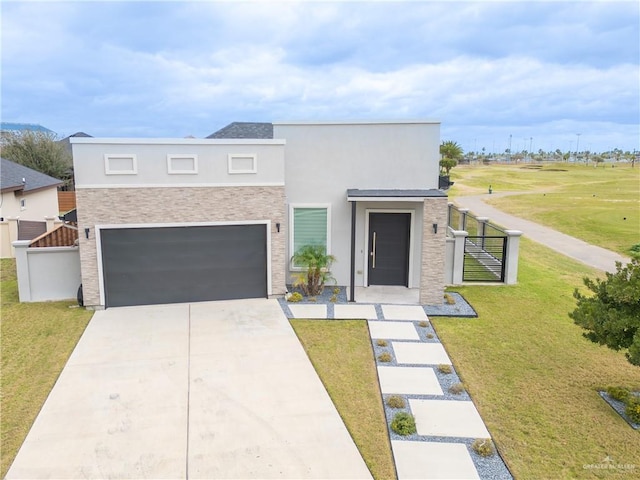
(207, 390)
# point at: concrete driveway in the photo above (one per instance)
(205, 390)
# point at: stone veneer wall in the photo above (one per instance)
(432, 273)
(178, 205)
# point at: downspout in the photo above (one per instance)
(353, 252)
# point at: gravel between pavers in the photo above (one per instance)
(489, 468)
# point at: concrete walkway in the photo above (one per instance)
(575, 248)
(206, 390)
(447, 423)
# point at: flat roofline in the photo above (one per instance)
(359, 122)
(176, 141)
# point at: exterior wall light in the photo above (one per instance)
(435, 228)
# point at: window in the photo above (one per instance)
(182, 164)
(243, 163)
(23, 203)
(120, 164)
(310, 226)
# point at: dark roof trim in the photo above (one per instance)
(357, 195)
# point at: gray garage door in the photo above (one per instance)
(145, 266)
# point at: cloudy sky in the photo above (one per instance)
(533, 73)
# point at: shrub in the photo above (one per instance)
(384, 357)
(449, 299)
(336, 290)
(444, 368)
(381, 343)
(618, 393)
(295, 297)
(633, 409)
(396, 401)
(456, 388)
(424, 323)
(403, 424)
(333, 299)
(429, 335)
(316, 265)
(483, 447)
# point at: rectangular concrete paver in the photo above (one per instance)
(393, 330)
(409, 380)
(404, 312)
(368, 312)
(448, 418)
(420, 353)
(430, 460)
(308, 311)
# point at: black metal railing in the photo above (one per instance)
(484, 258)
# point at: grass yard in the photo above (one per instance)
(341, 353)
(37, 339)
(598, 205)
(535, 378)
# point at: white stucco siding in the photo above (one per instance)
(210, 165)
(37, 205)
(323, 160)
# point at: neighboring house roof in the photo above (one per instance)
(245, 130)
(62, 236)
(14, 176)
(67, 143)
(19, 127)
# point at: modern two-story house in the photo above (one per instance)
(182, 220)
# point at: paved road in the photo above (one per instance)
(206, 390)
(575, 248)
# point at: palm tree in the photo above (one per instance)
(451, 152)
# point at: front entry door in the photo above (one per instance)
(389, 248)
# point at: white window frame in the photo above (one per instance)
(178, 171)
(23, 203)
(292, 208)
(232, 156)
(127, 156)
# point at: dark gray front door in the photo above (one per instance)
(389, 235)
(145, 266)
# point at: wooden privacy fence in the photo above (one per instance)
(66, 201)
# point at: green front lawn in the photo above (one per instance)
(37, 339)
(341, 353)
(534, 378)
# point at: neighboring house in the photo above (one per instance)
(28, 199)
(178, 220)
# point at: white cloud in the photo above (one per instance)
(162, 69)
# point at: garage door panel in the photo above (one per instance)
(183, 264)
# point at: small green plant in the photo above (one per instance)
(424, 323)
(635, 250)
(456, 388)
(295, 297)
(381, 343)
(336, 290)
(403, 424)
(333, 299)
(618, 393)
(429, 335)
(633, 408)
(449, 299)
(444, 368)
(396, 401)
(316, 265)
(483, 447)
(384, 357)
